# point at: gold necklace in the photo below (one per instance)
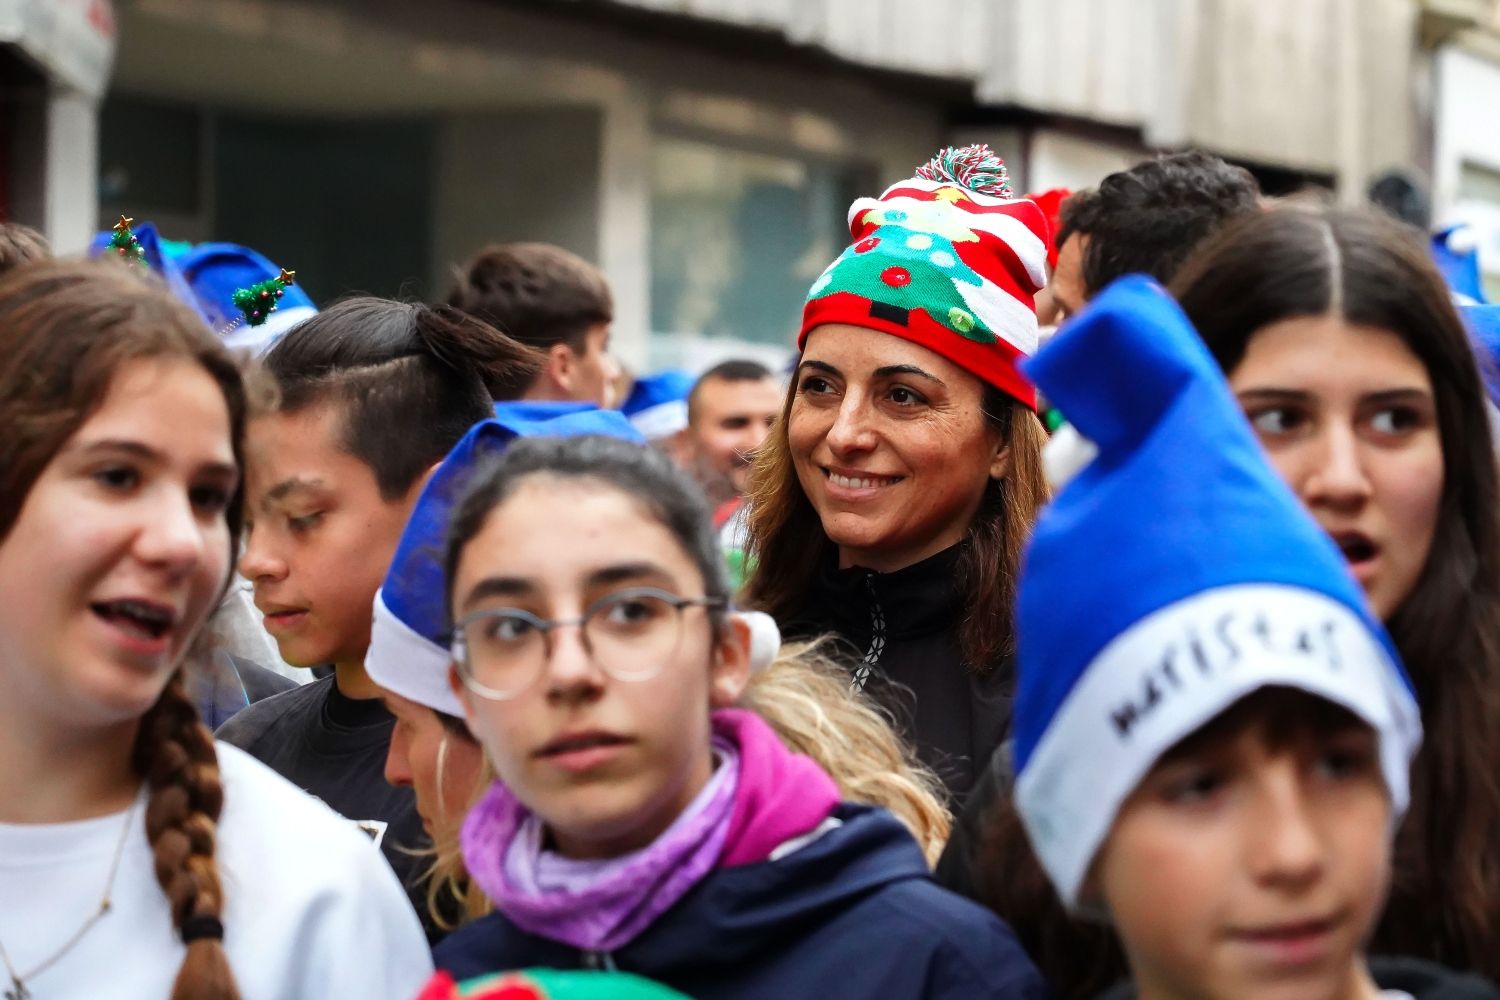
(18, 990)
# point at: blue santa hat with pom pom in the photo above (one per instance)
(1217, 583)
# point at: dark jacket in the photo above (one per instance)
(904, 626)
(851, 914)
(989, 859)
(1423, 980)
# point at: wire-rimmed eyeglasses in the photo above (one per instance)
(629, 634)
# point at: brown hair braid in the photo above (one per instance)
(174, 752)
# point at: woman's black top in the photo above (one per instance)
(903, 631)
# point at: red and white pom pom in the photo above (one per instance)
(974, 167)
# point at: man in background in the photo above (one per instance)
(730, 410)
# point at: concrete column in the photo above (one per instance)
(70, 187)
(625, 222)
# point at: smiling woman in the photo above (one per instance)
(889, 504)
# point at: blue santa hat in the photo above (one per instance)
(1483, 322)
(409, 637)
(408, 651)
(1174, 575)
(657, 404)
(215, 271)
(1455, 249)
(206, 276)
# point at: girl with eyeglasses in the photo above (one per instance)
(641, 821)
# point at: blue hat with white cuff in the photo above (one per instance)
(409, 651)
(205, 276)
(1172, 576)
(657, 404)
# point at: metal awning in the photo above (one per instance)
(1320, 85)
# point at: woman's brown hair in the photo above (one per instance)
(69, 328)
(786, 535)
(1309, 260)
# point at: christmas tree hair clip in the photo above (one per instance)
(257, 302)
(974, 167)
(125, 244)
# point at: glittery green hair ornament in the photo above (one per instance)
(259, 300)
(974, 167)
(124, 244)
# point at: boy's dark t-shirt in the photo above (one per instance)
(334, 747)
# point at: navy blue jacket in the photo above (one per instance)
(853, 914)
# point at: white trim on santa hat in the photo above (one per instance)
(404, 661)
(1174, 671)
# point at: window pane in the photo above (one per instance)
(737, 238)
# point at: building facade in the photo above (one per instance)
(702, 152)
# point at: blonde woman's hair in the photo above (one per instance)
(805, 695)
(452, 897)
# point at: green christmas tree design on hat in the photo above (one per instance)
(947, 259)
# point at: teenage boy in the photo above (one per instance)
(1144, 220)
(552, 301)
(1213, 734)
(371, 395)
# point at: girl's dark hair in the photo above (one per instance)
(1369, 269)
(1307, 260)
(644, 474)
(409, 379)
(70, 327)
(786, 534)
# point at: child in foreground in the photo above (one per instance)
(1213, 755)
(800, 690)
(641, 822)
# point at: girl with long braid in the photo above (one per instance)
(137, 857)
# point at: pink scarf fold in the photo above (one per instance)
(760, 796)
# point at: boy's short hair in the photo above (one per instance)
(1147, 219)
(20, 244)
(538, 293)
(409, 380)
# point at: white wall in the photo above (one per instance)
(70, 189)
(1467, 121)
(1058, 159)
(1466, 114)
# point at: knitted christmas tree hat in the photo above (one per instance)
(947, 259)
(1174, 575)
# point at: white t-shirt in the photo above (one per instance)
(311, 908)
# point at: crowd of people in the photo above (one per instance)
(1104, 603)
